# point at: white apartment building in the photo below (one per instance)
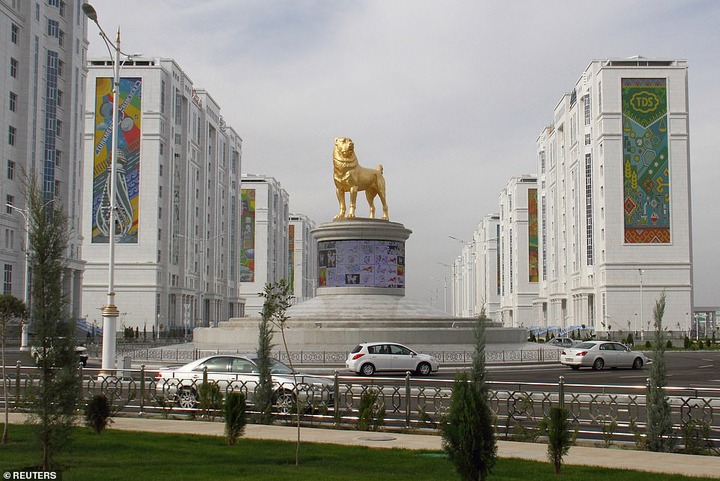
(178, 242)
(264, 257)
(614, 199)
(42, 82)
(302, 262)
(463, 282)
(487, 267)
(476, 272)
(518, 245)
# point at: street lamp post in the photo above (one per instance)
(642, 333)
(110, 311)
(25, 335)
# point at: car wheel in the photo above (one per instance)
(285, 403)
(423, 369)
(598, 364)
(367, 369)
(574, 368)
(186, 399)
(637, 363)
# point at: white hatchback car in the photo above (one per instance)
(370, 357)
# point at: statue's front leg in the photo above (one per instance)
(353, 200)
(341, 200)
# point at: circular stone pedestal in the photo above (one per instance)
(361, 256)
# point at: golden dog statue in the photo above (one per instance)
(350, 177)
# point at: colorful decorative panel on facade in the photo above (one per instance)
(533, 274)
(646, 169)
(361, 263)
(291, 257)
(247, 226)
(127, 164)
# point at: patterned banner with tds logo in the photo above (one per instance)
(646, 172)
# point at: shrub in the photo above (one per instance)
(559, 437)
(687, 342)
(97, 413)
(371, 413)
(669, 344)
(210, 399)
(235, 419)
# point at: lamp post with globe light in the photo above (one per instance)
(110, 311)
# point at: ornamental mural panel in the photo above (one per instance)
(646, 169)
(127, 164)
(247, 236)
(361, 263)
(533, 275)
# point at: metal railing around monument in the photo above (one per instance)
(332, 358)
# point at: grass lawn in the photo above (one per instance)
(131, 456)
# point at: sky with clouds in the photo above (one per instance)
(450, 96)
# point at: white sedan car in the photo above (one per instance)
(370, 357)
(232, 372)
(600, 354)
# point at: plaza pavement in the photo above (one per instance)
(689, 465)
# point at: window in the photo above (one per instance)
(59, 98)
(60, 67)
(7, 279)
(12, 105)
(58, 155)
(12, 132)
(58, 128)
(14, 33)
(10, 169)
(54, 3)
(61, 38)
(53, 29)
(13, 68)
(9, 202)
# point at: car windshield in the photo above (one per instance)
(585, 345)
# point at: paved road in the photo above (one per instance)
(684, 369)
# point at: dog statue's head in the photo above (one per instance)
(345, 147)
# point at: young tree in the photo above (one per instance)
(264, 394)
(468, 433)
(12, 310)
(54, 399)
(278, 296)
(659, 424)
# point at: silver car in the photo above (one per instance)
(370, 357)
(600, 354)
(233, 372)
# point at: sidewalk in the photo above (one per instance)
(688, 465)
